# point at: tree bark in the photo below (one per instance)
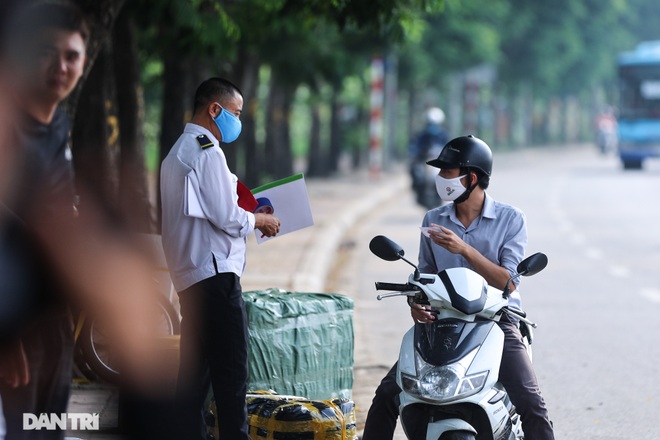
(133, 187)
(100, 15)
(360, 152)
(93, 129)
(278, 135)
(336, 138)
(176, 99)
(317, 162)
(247, 76)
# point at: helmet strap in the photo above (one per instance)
(466, 195)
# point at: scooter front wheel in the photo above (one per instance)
(457, 435)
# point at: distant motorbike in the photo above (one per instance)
(448, 369)
(606, 134)
(423, 178)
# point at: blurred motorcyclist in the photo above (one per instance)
(425, 146)
(606, 131)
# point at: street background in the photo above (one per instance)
(338, 90)
(596, 303)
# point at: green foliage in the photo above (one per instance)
(552, 48)
(560, 47)
(464, 35)
(644, 18)
(198, 26)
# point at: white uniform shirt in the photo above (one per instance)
(199, 248)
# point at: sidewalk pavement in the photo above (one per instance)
(300, 261)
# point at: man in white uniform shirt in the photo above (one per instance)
(204, 232)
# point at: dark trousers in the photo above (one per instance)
(516, 374)
(48, 348)
(213, 351)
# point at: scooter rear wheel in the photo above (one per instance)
(98, 355)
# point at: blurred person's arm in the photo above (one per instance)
(14, 369)
(111, 279)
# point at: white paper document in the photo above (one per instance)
(191, 204)
(426, 229)
(291, 204)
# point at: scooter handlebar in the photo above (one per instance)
(393, 286)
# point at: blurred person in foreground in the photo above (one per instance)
(489, 237)
(7, 301)
(46, 66)
(50, 260)
(204, 246)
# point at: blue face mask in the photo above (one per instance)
(229, 125)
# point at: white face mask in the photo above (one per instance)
(449, 189)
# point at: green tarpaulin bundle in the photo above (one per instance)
(300, 343)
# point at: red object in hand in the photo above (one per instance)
(245, 198)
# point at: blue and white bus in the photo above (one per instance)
(639, 104)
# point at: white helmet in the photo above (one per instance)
(435, 115)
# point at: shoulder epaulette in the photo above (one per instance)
(204, 141)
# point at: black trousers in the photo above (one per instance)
(516, 374)
(48, 345)
(213, 351)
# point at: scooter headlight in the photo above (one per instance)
(439, 382)
(444, 383)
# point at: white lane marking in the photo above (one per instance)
(620, 271)
(594, 253)
(652, 295)
(578, 239)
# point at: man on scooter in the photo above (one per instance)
(488, 237)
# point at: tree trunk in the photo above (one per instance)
(360, 150)
(278, 136)
(247, 75)
(413, 111)
(316, 165)
(336, 138)
(101, 15)
(176, 99)
(93, 136)
(133, 188)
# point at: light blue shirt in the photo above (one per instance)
(199, 248)
(499, 234)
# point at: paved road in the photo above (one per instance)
(597, 304)
(596, 351)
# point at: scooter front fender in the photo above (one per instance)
(436, 429)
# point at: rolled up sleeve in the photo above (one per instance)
(515, 240)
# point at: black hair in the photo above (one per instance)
(214, 89)
(7, 11)
(39, 15)
(482, 178)
(26, 20)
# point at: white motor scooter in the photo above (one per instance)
(448, 369)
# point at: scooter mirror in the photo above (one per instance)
(386, 249)
(532, 264)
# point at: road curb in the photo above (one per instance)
(317, 260)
